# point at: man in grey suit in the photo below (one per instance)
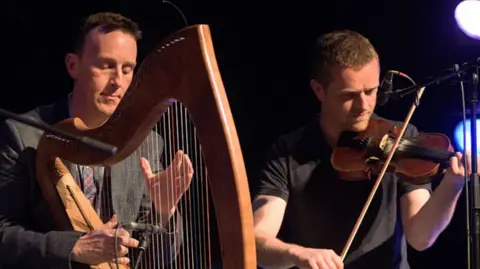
(101, 66)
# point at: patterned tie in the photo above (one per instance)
(89, 187)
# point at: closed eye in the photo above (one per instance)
(370, 91)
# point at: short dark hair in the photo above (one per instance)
(344, 48)
(108, 22)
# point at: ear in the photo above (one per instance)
(317, 89)
(72, 62)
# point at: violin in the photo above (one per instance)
(382, 148)
(358, 155)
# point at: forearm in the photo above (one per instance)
(28, 249)
(435, 215)
(273, 253)
(167, 219)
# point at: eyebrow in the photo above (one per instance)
(110, 59)
(349, 90)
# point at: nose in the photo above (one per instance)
(363, 101)
(116, 77)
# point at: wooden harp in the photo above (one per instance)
(181, 68)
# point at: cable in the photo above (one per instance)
(179, 11)
(467, 195)
(398, 73)
(116, 245)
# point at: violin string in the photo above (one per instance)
(428, 153)
(407, 145)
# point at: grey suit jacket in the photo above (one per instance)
(27, 238)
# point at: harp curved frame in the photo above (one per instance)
(183, 67)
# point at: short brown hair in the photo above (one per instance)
(342, 48)
(108, 22)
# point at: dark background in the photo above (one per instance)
(261, 48)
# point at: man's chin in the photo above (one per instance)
(358, 126)
(106, 110)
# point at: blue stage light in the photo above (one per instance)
(458, 136)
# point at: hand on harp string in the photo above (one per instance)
(167, 187)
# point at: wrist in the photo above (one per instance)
(292, 252)
(453, 182)
(76, 252)
(166, 217)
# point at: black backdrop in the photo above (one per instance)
(261, 50)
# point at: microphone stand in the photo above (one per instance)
(412, 89)
(474, 188)
(96, 144)
(142, 247)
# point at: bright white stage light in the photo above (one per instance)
(467, 15)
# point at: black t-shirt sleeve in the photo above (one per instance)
(273, 175)
(403, 186)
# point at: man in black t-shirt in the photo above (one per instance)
(304, 213)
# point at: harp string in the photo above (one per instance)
(185, 140)
(177, 130)
(178, 133)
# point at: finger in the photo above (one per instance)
(128, 241)
(147, 170)
(122, 260)
(338, 261)
(112, 223)
(312, 264)
(322, 264)
(121, 251)
(122, 232)
(178, 160)
(455, 164)
(189, 167)
(330, 263)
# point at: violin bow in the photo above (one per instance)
(382, 173)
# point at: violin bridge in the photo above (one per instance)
(383, 142)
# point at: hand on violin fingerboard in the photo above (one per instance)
(456, 170)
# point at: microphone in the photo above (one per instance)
(385, 89)
(50, 130)
(149, 228)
